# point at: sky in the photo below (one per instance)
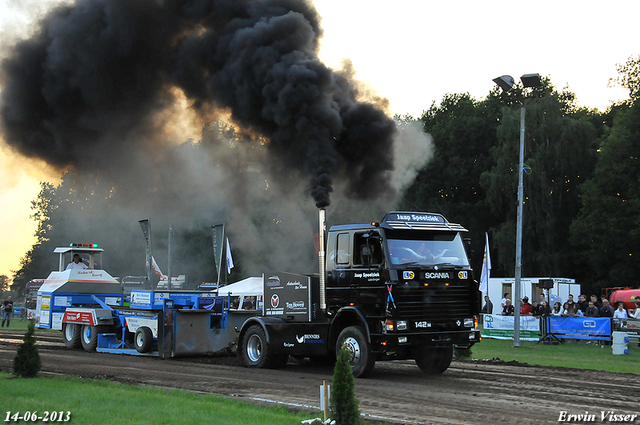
(412, 52)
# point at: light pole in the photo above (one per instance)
(506, 82)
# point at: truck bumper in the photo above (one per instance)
(399, 342)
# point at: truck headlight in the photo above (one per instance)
(402, 325)
(389, 325)
(469, 323)
(402, 340)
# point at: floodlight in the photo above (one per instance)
(505, 82)
(531, 80)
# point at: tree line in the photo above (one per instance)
(581, 207)
(581, 210)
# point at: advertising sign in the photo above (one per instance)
(501, 327)
(287, 295)
(598, 328)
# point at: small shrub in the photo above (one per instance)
(27, 361)
(343, 403)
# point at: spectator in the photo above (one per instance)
(596, 301)
(570, 300)
(592, 310)
(620, 312)
(636, 312)
(606, 310)
(544, 309)
(525, 307)
(542, 300)
(577, 311)
(249, 303)
(508, 310)
(488, 306)
(7, 311)
(503, 302)
(534, 308)
(557, 309)
(583, 303)
(567, 309)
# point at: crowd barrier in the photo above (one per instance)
(558, 327)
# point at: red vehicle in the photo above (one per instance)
(627, 295)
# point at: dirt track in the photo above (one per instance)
(467, 393)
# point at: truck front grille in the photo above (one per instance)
(436, 302)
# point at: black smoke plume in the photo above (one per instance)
(88, 89)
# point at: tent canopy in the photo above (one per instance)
(249, 286)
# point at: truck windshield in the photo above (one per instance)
(426, 248)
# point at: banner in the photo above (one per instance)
(156, 268)
(598, 328)
(146, 230)
(486, 267)
(217, 232)
(229, 258)
(501, 327)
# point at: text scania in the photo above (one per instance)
(433, 275)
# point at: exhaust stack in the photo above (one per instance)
(322, 256)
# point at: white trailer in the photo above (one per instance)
(562, 287)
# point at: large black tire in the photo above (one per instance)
(89, 337)
(71, 335)
(434, 360)
(362, 360)
(257, 353)
(143, 340)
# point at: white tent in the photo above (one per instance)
(249, 286)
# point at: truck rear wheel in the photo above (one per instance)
(434, 360)
(89, 337)
(362, 360)
(256, 351)
(143, 339)
(71, 335)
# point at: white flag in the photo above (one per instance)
(486, 267)
(229, 258)
(156, 268)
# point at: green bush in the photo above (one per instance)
(344, 404)
(27, 361)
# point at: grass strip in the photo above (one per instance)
(98, 402)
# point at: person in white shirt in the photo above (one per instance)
(77, 263)
(636, 312)
(620, 312)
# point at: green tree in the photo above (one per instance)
(560, 147)
(629, 77)
(607, 230)
(26, 363)
(343, 403)
(4, 283)
(38, 262)
(463, 131)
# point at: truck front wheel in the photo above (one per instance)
(256, 351)
(361, 359)
(434, 360)
(71, 335)
(89, 337)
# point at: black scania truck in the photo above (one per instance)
(397, 289)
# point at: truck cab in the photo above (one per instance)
(411, 284)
